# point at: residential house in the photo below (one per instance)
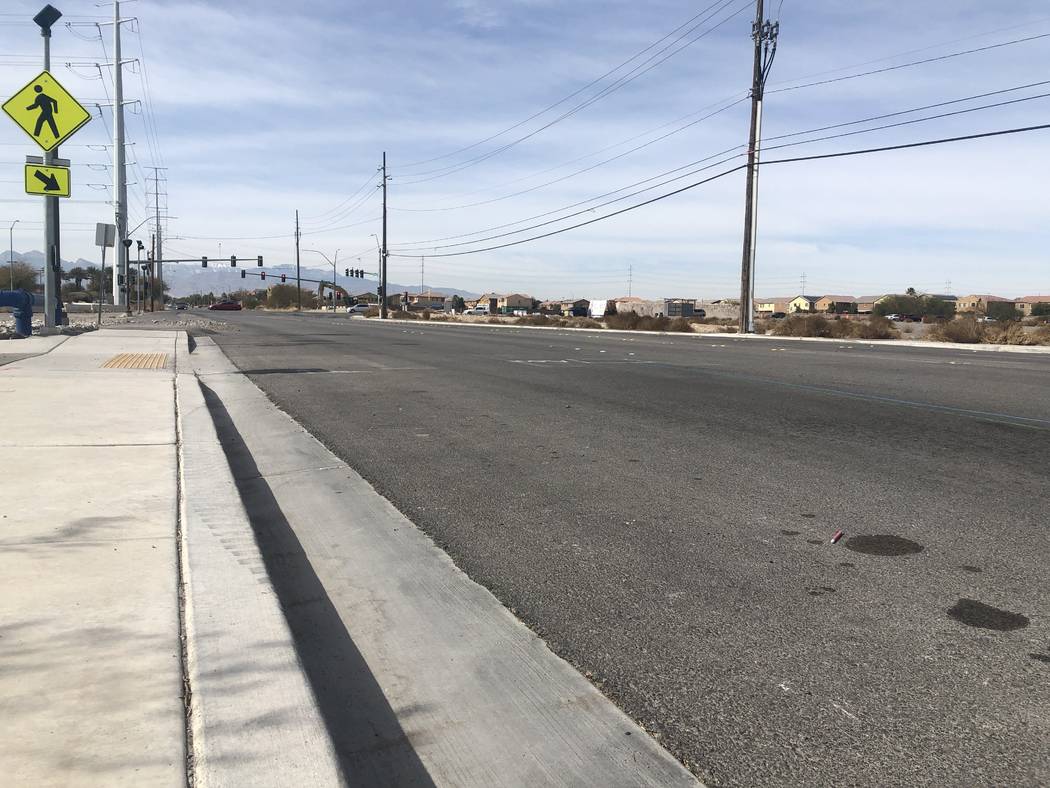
(515, 302)
(1028, 303)
(866, 304)
(769, 306)
(427, 300)
(803, 303)
(978, 303)
(367, 297)
(566, 307)
(836, 304)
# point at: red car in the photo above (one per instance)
(231, 305)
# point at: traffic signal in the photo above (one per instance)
(243, 273)
(283, 277)
(346, 272)
(258, 261)
(262, 276)
(233, 261)
(204, 262)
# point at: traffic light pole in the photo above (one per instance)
(382, 252)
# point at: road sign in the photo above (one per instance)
(105, 234)
(48, 181)
(46, 112)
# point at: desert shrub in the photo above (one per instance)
(493, 321)
(581, 322)
(622, 321)
(1010, 334)
(538, 320)
(965, 330)
(372, 312)
(803, 326)
(653, 323)
(680, 324)
(876, 327)
(426, 314)
(441, 317)
(1042, 335)
(403, 315)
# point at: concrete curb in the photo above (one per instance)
(456, 688)
(767, 337)
(252, 718)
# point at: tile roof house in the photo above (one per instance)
(978, 303)
(1028, 303)
(838, 304)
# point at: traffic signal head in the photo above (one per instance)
(243, 273)
(283, 277)
(262, 276)
(233, 261)
(258, 261)
(204, 262)
(346, 272)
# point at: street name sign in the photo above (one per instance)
(46, 111)
(48, 181)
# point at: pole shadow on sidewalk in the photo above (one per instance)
(371, 745)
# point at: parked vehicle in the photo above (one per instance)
(181, 305)
(358, 309)
(778, 315)
(477, 310)
(226, 305)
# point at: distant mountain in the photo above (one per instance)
(186, 278)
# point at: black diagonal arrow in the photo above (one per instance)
(49, 181)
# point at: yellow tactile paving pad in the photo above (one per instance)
(138, 361)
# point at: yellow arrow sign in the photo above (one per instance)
(46, 112)
(48, 181)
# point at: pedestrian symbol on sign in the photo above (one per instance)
(48, 107)
(46, 112)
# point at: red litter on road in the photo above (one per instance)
(837, 536)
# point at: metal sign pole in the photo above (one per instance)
(51, 258)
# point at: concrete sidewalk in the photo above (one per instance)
(90, 658)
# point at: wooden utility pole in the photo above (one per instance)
(298, 278)
(764, 33)
(383, 255)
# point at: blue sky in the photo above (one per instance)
(265, 108)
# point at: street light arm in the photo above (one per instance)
(317, 251)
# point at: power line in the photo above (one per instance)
(619, 83)
(924, 61)
(816, 157)
(577, 172)
(738, 147)
(561, 101)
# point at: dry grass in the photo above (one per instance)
(819, 326)
(964, 330)
(967, 330)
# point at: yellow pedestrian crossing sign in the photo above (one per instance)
(48, 181)
(46, 112)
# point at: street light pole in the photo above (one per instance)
(11, 251)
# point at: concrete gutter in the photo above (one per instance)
(423, 676)
(727, 335)
(252, 717)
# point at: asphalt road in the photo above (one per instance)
(660, 509)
